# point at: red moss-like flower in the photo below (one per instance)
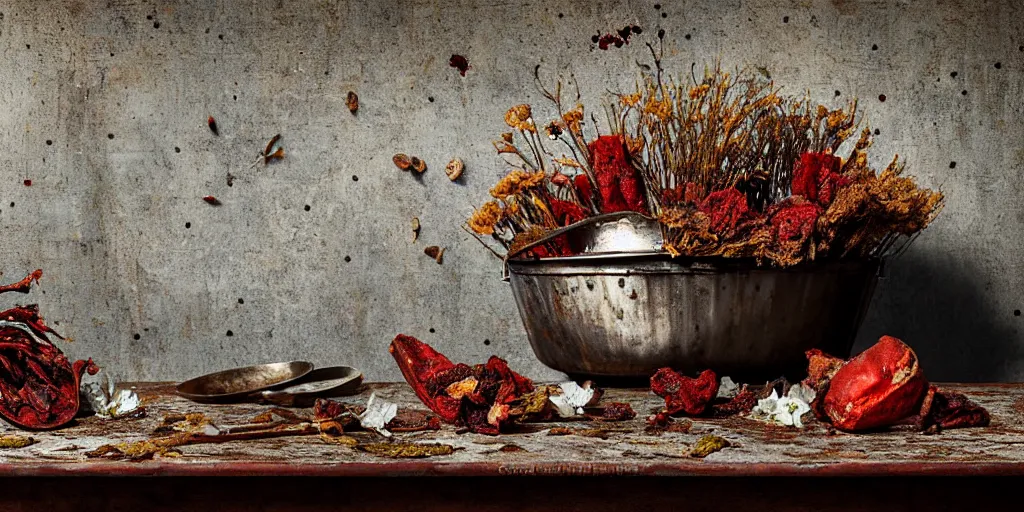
(817, 177)
(726, 209)
(685, 394)
(620, 185)
(793, 220)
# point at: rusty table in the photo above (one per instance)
(554, 472)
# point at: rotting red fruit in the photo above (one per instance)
(38, 385)
(816, 177)
(685, 394)
(881, 386)
(947, 409)
(619, 184)
(614, 411)
(793, 219)
(475, 398)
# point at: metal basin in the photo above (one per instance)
(627, 315)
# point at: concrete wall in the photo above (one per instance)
(104, 108)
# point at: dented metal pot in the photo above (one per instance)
(626, 315)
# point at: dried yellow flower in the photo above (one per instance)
(629, 100)
(516, 182)
(485, 218)
(520, 118)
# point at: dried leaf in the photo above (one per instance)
(707, 445)
(402, 161)
(407, 450)
(16, 441)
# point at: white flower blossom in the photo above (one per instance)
(377, 414)
(573, 398)
(727, 388)
(786, 410)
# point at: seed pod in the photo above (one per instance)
(415, 228)
(418, 165)
(402, 161)
(352, 102)
(435, 252)
(454, 169)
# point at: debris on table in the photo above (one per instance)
(14, 441)
(106, 402)
(599, 433)
(39, 387)
(707, 445)
(476, 397)
(612, 411)
(435, 252)
(407, 450)
(352, 102)
(947, 409)
(377, 415)
(727, 388)
(454, 169)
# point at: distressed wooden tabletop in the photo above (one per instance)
(757, 448)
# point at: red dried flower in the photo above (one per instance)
(817, 177)
(793, 219)
(566, 212)
(726, 209)
(620, 185)
(685, 394)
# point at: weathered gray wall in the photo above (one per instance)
(106, 215)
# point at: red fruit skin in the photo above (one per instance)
(685, 394)
(619, 184)
(726, 209)
(422, 366)
(881, 386)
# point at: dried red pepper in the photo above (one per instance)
(687, 395)
(726, 209)
(620, 185)
(476, 397)
(38, 385)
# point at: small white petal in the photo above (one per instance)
(727, 388)
(377, 414)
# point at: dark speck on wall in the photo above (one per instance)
(1016, 312)
(241, 301)
(229, 333)
(657, 6)
(874, 47)
(188, 225)
(220, 36)
(156, 24)
(177, 149)
(664, 15)
(964, 92)
(877, 131)
(687, 36)
(149, 16)
(432, 331)
(49, 142)
(952, 165)
(355, 178)
(137, 336)
(430, 99)
(348, 259)
(12, 204)
(28, 47)
(837, 93)
(560, 15)
(110, 135)
(487, 342)
(306, 207)
(999, 65)
(785, 19)
(953, 74)
(881, 97)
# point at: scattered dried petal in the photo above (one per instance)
(402, 161)
(212, 200)
(454, 169)
(707, 445)
(352, 102)
(15, 441)
(213, 125)
(418, 165)
(435, 252)
(407, 450)
(415, 228)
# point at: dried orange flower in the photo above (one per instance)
(573, 117)
(485, 218)
(568, 162)
(661, 109)
(629, 100)
(516, 182)
(520, 118)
